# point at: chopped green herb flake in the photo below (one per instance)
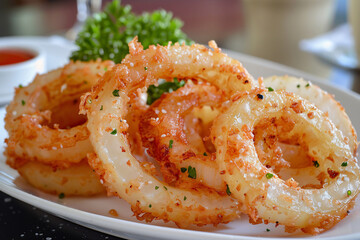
(316, 164)
(191, 172)
(269, 175)
(270, 89)
(298, 86)
(205, 154)
(61, 195)
(183, 169)
(268, 230)
(307, 85)
(150, 205)
(105, 69)
(116, 93)
(23, 102)
(155, 93)
(146, 68)
(171, 143)
(228, 190)
(156, 187)
(185, 198)
(114, 132)
(101, 107)
(21, 86)
(165, 188)
(348, 192)
(344, 164)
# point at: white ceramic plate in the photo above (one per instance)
(94, 212)
(57, 51)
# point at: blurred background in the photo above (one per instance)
(270, 29)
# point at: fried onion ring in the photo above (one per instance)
(77, 180)
(265, 195)
(121, 172)
(164, 122)
(48, 140)
(39, 127)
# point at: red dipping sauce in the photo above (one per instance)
(12, 56)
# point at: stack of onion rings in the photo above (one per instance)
(263, 141)
(48, 140)
(274, 200)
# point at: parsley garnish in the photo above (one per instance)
(150, 205)
(23, 102)
(270, 89)
(114, 132)
(307, 85)
(101, 107)
(268, 230)
(115, 93)
(146, 68)
(171, 143)
(205, 154)
(298, 86)
(348, 192)
(165, 188)
(183, 169)
(106, 35)
(269, 175)
(344, 164)
(228, 190)
(156, 187)
(185, 198)
(154, 93)
(191, 172)
(21, 86)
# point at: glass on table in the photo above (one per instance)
(85, 8)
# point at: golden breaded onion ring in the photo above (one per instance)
(28, 120)
(121, 172)
(265, 195)
(321, 99)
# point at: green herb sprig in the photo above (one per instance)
(106, 35)
(155, 93)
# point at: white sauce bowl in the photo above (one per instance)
(22, 73)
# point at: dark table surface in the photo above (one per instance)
(19, 220)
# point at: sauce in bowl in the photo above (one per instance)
(12, 56)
